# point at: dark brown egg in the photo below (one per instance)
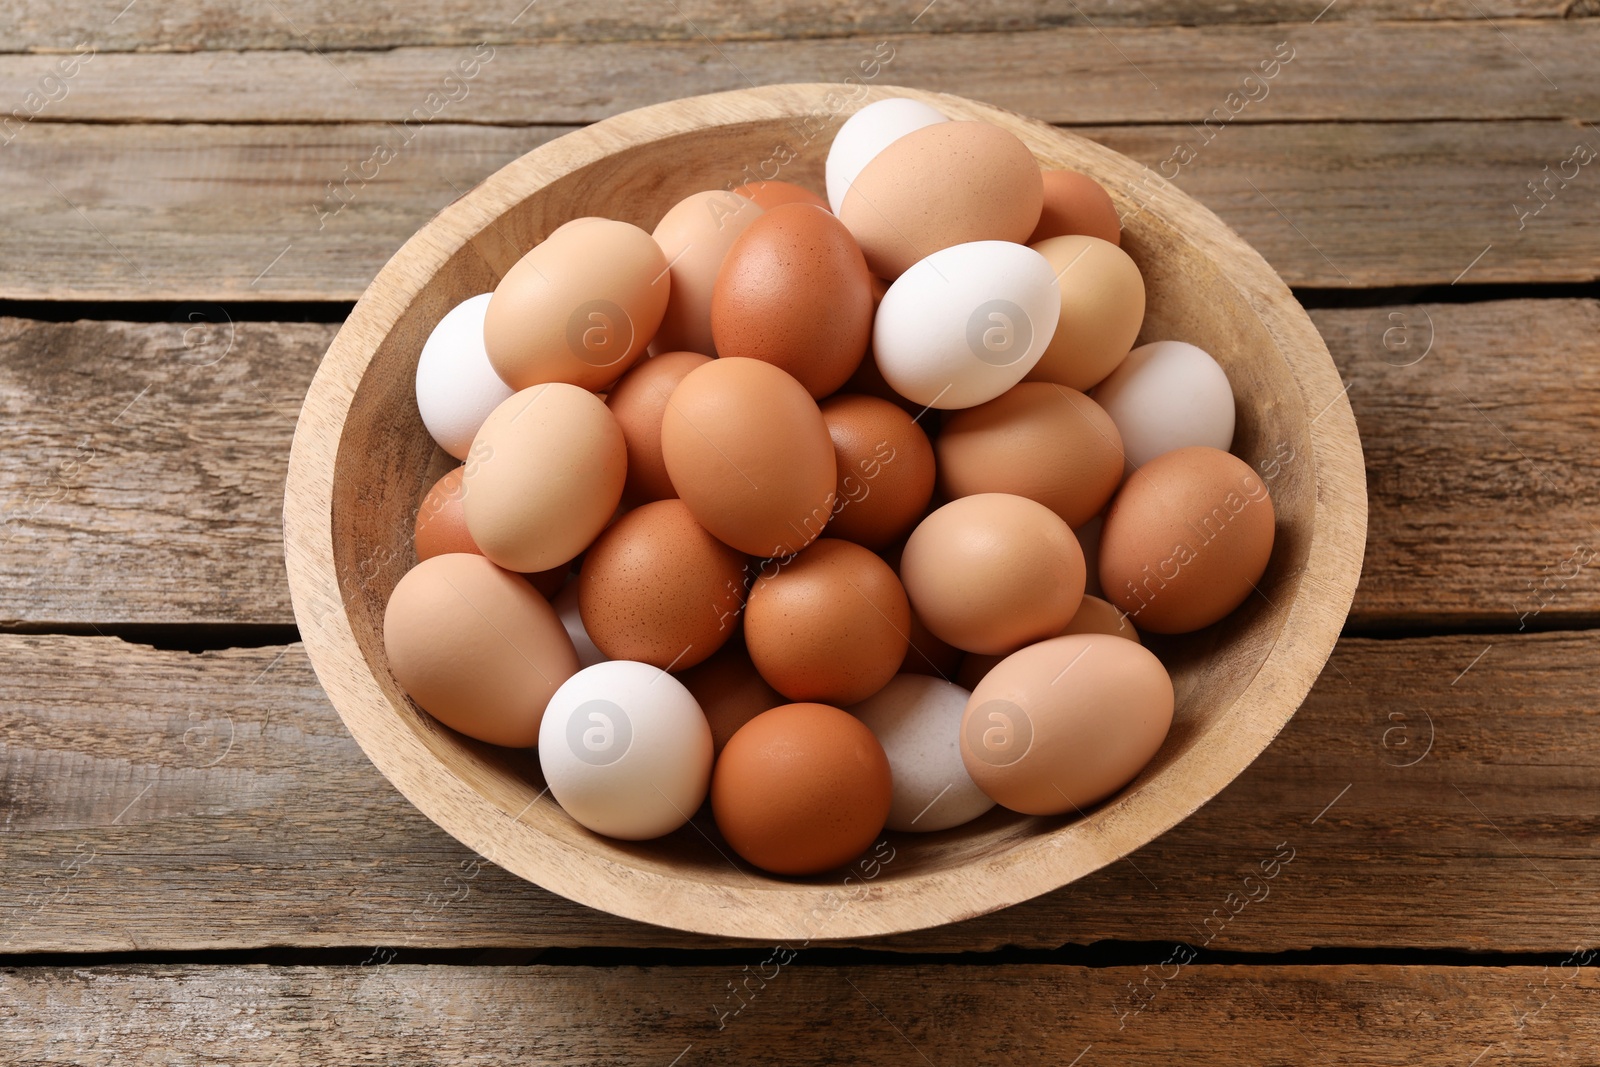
(794, 291)
(801, 789)
(885, 469)
(730, 691)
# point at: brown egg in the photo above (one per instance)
(441, 525)
(1040, 440)
(794, 291)
(749, 453)
(544, 477)
(1102, 308)
(657, 588)
(1186, 539)
(830, 624)
(579, 307)
(695, 235)
(476, 647)
(942, 185)
(1076, 204)
(885, 469)
(993, 572)
(928, 655)
(639, 401)
(1065, 723)
(770, 194)
(1095, 616)
(801, 789)
(730, 691)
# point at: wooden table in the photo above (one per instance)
(198, 865)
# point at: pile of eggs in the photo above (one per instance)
(801, 504)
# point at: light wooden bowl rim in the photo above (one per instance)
(740, 908)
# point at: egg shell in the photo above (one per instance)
(625, 750)
(1065, 723)
(1167, 395)
(1101, 310)
(801, 789)
(1186, 540)
(966, 324)
(1095, 616)
(917, 720)
(695, 235)
(638, 401)
(1076, 204)
(457, 386)
(768, 195)
(579, 307)
(476, 647)
(548, 474)
(657, 588)
(441, 525)
(946, 184)
(730, 691)
(795, 292)
(993, 572)
(866, 133)
(885, 469)
(831, 624)
(1039, 440)
(747, 450)
(565, 602)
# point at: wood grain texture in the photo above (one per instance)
(1345, 71)
(163, 801)
(179, 495)
(257, 1016)
(199, 212)
(38, 25)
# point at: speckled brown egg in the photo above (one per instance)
(1076, 204)
(657, 588)
(1040, 440)
(748, 451)
(829, 625)
(801, 789)
(942, 185)
(1186, 539)
(639, 401)
(730, 691)
(794, 291)
(441, 526)
(476, 647)
(885, 469)
(993, 572)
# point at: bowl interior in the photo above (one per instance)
(385, 462)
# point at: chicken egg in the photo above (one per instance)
(457, 386)
(1102, 308)
(695, 235)
(868, 132)
(917, 719)
(1167, 395)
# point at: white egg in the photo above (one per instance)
(917, 719)
(566, 604)
(865, 134)
(966, 323)
(626, 750)
(1167, 395)
(456, 386)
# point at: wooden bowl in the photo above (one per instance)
(361, 462)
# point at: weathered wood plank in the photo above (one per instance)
(251, 212)
(154, 452)
(303, 24)
(913, 1015)
(1432, 792)
(1333, 71)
